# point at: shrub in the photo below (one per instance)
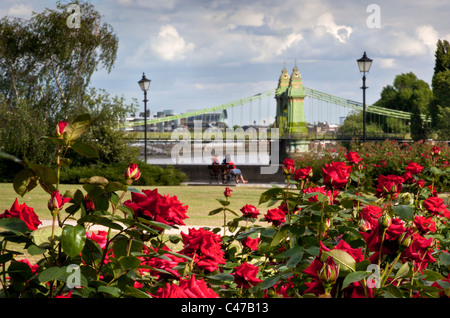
(334, 238)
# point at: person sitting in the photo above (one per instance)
(237, 173)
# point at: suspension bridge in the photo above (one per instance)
(300, 113)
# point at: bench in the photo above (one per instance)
(222, 171)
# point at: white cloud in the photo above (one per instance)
(169, 45)
(428, 35)
(21, 10)
(386, 62)
(340, 32)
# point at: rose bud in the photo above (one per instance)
(405, 239)
(329, 271)
(57, 201)
(132, 172)
(385, 221)
(227, 192)
(60, 128)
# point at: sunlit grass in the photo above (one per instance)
(199, 199)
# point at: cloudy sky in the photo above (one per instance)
(202, 53)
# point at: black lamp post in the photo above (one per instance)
(364, 64)
(144, 83)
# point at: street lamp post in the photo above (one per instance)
(144, 83)
(364, 64)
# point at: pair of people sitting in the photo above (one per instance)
(237, 173)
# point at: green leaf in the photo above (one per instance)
(223, 202)
(15, 225)
(85, 150)
(100, 220)
(73, 239)
(75, 129)
(129, 262)
(24, 182)
(406, 212)
(113, 291)
(215, 211)
(269, 282)
(354, 277)
(402, 272)
(445, 258)
(345, 260)
(270, 194)
(52, 273)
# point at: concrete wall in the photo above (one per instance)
(251, 173)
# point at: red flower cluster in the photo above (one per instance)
(205, 247)
(389, 186)
(156, 207)
(325, 271)
(23, 212)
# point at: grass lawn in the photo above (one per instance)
(200, 199)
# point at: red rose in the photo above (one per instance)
(23, 212)
(276, 216)
(435, 151)
(390, 184)
(245, 275)
(414, 168)
(303, 173)
(436, 206)
(288, 166)
(369, 216)
(316, 270)
(132, 172)
(156, 207)
(331, 194)
(424, 224)
(205, 247)
(187, 288)
(353, 157)
(336, 174)
(249, 211)
(419, 251)
(252, 244)
(100, 237)
(390, 244)
(166, 263)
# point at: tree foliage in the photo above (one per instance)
(46, 69)
(440, 109)
(409, 94)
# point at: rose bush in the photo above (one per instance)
(358, 225)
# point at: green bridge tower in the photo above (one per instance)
(290, 113)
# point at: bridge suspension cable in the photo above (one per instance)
(311, 93)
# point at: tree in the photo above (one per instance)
(440, 109)
(410, 94)
(46, 68)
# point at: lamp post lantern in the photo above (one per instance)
(144, 83)
(364, 65)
